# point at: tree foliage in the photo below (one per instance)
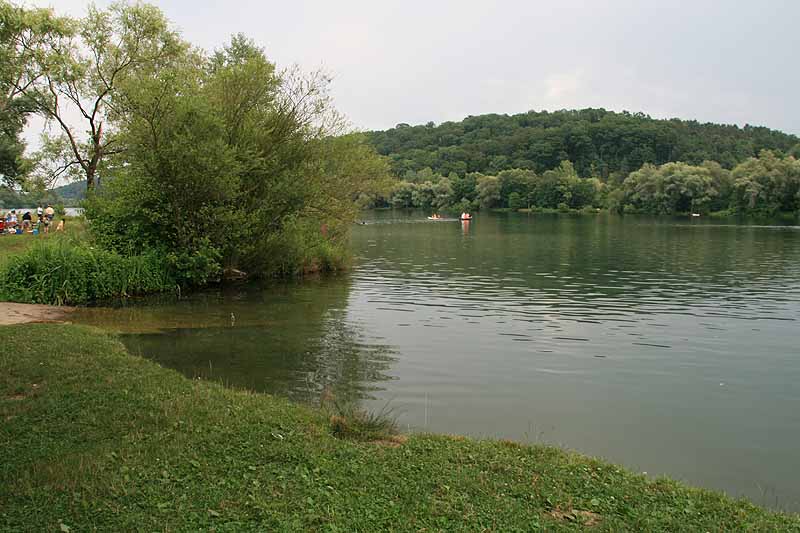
(66, 68)
(230, 163)
(598, 142)
(23, 33)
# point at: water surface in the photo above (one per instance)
(667, 345)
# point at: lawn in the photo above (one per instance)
(93, 438)
(14, 244)
(11, 245)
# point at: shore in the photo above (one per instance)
(94, 438)
(14, 313)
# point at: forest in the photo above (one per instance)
(589, 159)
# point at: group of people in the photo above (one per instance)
(44, 216)
(464, 216)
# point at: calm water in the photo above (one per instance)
(667, 345)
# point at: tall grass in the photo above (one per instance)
(60, 271)
(349, 421)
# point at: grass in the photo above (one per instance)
(65, 268)
(11, 245)
(61, 271)
(93, 438)
(348, 421)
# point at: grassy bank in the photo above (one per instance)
(93, 438)
(11, 245)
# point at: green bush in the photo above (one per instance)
(60, 272)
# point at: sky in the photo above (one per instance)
(411, 61)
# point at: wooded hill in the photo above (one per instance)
(598, 142)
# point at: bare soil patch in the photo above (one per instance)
(13, 313)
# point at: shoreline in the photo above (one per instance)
(16, 313)
(98, 437)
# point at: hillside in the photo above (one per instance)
(597, 141)
(72, 193)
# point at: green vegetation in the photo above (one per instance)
(94, 438)
(209, 163)
(13, 199)
(348, 421)
(10, 245)
(591, 158)
(600, 143)
(71, 194)
(61, 271)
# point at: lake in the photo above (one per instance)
(668, 345)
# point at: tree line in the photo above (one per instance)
(767, 184)
(590, 159)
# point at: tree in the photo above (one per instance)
(767, 183)
(230, 163)
(79, 69)
(22, 32)
(671, 188)
(515, 201)
(488, 192)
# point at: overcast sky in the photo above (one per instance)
(729, 61)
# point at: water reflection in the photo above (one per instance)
(292, 340)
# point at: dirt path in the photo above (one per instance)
(11, 313)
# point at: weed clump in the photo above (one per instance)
(349, 421)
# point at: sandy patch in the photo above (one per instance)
(11, 313)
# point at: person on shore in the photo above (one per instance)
(60, 226)
(49, 213)
(39, 213)
(27, 221)
(11, 220)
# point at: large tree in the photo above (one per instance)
(22, 34)
(73, 78)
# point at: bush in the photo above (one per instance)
(60, 272)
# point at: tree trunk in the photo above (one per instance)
(90, 177)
